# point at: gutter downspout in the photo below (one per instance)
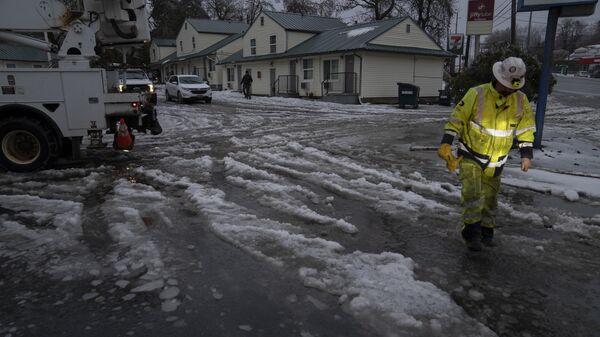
(360, 78)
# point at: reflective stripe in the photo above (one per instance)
(498, 163)
(525, 144)
(493, 132)
(519, 111)
(480, 103)
(474, 203)
(520, 131)
(482, 160)
(464, 148)
(451, 133)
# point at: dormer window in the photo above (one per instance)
(262, 20)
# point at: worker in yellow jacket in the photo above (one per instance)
(486, 121)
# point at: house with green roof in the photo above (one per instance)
(200, 45)
(16, 56)
(300, 55)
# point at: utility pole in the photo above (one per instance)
(456, 25)
(528, 32)
(513, 22)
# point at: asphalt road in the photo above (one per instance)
(577, 85)
(214, 233)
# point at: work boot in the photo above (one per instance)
(487, 236)
(472, 236)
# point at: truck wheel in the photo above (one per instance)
(24, 144)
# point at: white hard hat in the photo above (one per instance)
(510, 72)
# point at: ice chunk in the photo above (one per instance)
(150, 286)
(245, 327)
(571, 195)
(169, 293)
(170, 305)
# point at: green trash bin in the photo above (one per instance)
(408, 94)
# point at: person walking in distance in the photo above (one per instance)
(246, 84)
(486, 120)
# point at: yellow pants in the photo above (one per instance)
(479, 194)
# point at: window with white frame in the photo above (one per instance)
(252, 46)
(331, 69)
(193, 42)
(262, 20)
(230, 75)
(307, 67)
(211, 65)
(181, 45)
(273, 43)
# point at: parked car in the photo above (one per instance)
(582, 73)
(132, 80)
(187, 87)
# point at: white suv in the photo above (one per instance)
(187, 87)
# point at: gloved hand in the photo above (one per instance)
(445, 152)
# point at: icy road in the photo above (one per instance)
(285, 217)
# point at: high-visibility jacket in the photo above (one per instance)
(486, 123)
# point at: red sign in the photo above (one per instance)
(481, 10)
(589, 60)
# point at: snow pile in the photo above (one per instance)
(562, 185)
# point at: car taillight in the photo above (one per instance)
(135, 104)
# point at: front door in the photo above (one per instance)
(349, 74)
(292, 79)
(239, 77)
(272, 78)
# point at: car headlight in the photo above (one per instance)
(121, 87)
(151, 87)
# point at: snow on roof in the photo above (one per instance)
(359, 31)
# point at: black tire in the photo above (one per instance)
(179, 98)
(24, 144)
(167, 97)
(208, 100)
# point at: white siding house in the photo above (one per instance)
(200, 45)
(322, 57)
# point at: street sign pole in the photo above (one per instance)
(544, 86)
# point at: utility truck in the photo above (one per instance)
(46, 113)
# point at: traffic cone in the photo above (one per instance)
(123, 139)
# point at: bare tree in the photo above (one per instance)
(251, 8)
(223, 9)
(434, 16)
(306, 7)
(327, 8)
(377, 9)
(570, 34)
(167, 16)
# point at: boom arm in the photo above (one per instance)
(87, 23)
